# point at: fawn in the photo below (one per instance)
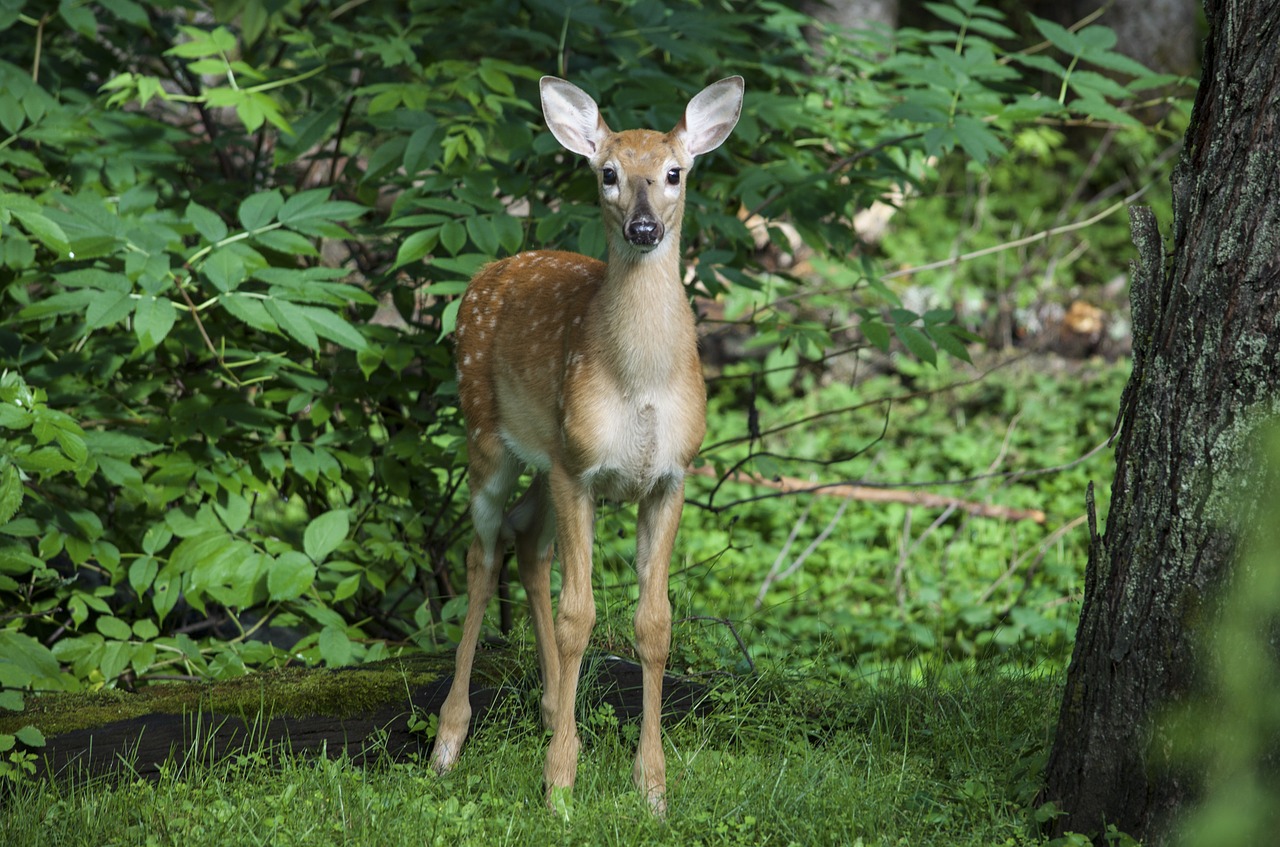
(587, 371)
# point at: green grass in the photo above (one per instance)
(947, 755)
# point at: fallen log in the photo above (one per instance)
(364, 712)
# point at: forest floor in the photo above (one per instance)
(926, 754)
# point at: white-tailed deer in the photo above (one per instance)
(588, 372)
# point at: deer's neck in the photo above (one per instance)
(642, 316)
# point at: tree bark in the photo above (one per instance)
(1205, 378)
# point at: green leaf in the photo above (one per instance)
(422, 149)
(287, 242)
(325, 533)
(80, 17)
(218, 42)
(1088, 82)
(108, 308)
(1120, 62)
(453, 237)
(46, 460)
(120, 444)
(249, 310)
(483, 233)
(10, 491)
(917, 343)
(153, 317)
(225, 269)
(332, 326)
(510, 232)
(314, 205)
(43, 230)
(115, 658)
(1041, 63)
(29, 662)
(30, 736)
(304, 462)
(305, 205)
(417, 245)
(156, 538)
(1095, 107)
(335, 647)
(167, 587)
(142, 572)
(496, 79)
(876, 333)
(991, 29)
(259, 210)
(950, 14)
(207, 222)
(346, 588)
(1097, 39)
(257, 106)
(977, 139)
(917, 112)
(290, 576)
(294, 321)
(96, 278)
(232, 509)
(113, 628)
(12, 116)
(1059, 36)
(449, 319)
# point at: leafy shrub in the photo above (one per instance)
(229, 430)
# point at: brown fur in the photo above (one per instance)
(589, 373)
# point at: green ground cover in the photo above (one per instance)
(935, 755)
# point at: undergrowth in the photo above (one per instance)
(926, 754)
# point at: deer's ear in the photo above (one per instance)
(572, 116)
(711, 115)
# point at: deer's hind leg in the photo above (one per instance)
(492, 474)
(533, 521)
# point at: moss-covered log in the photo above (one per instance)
(362, 711)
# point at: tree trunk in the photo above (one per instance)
(1206, 376)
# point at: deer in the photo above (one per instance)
(587, 372)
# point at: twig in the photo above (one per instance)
(742, 645)
(782, 554)
(845, 410)
(870, 494)
(1020, 242)
(813, 545)
(904, 550)
(208, 342)
(1048, 542)
(938, 522)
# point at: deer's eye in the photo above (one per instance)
(673, 176)
(609, 176)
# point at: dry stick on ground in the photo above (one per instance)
(865, 493)
(1040, 551)
(774, 576)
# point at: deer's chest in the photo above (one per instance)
(626, 446)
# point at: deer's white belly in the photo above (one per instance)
(639, 448)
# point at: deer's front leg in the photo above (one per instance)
(657, 521)
(574, 507)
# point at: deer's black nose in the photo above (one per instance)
(644, 231)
